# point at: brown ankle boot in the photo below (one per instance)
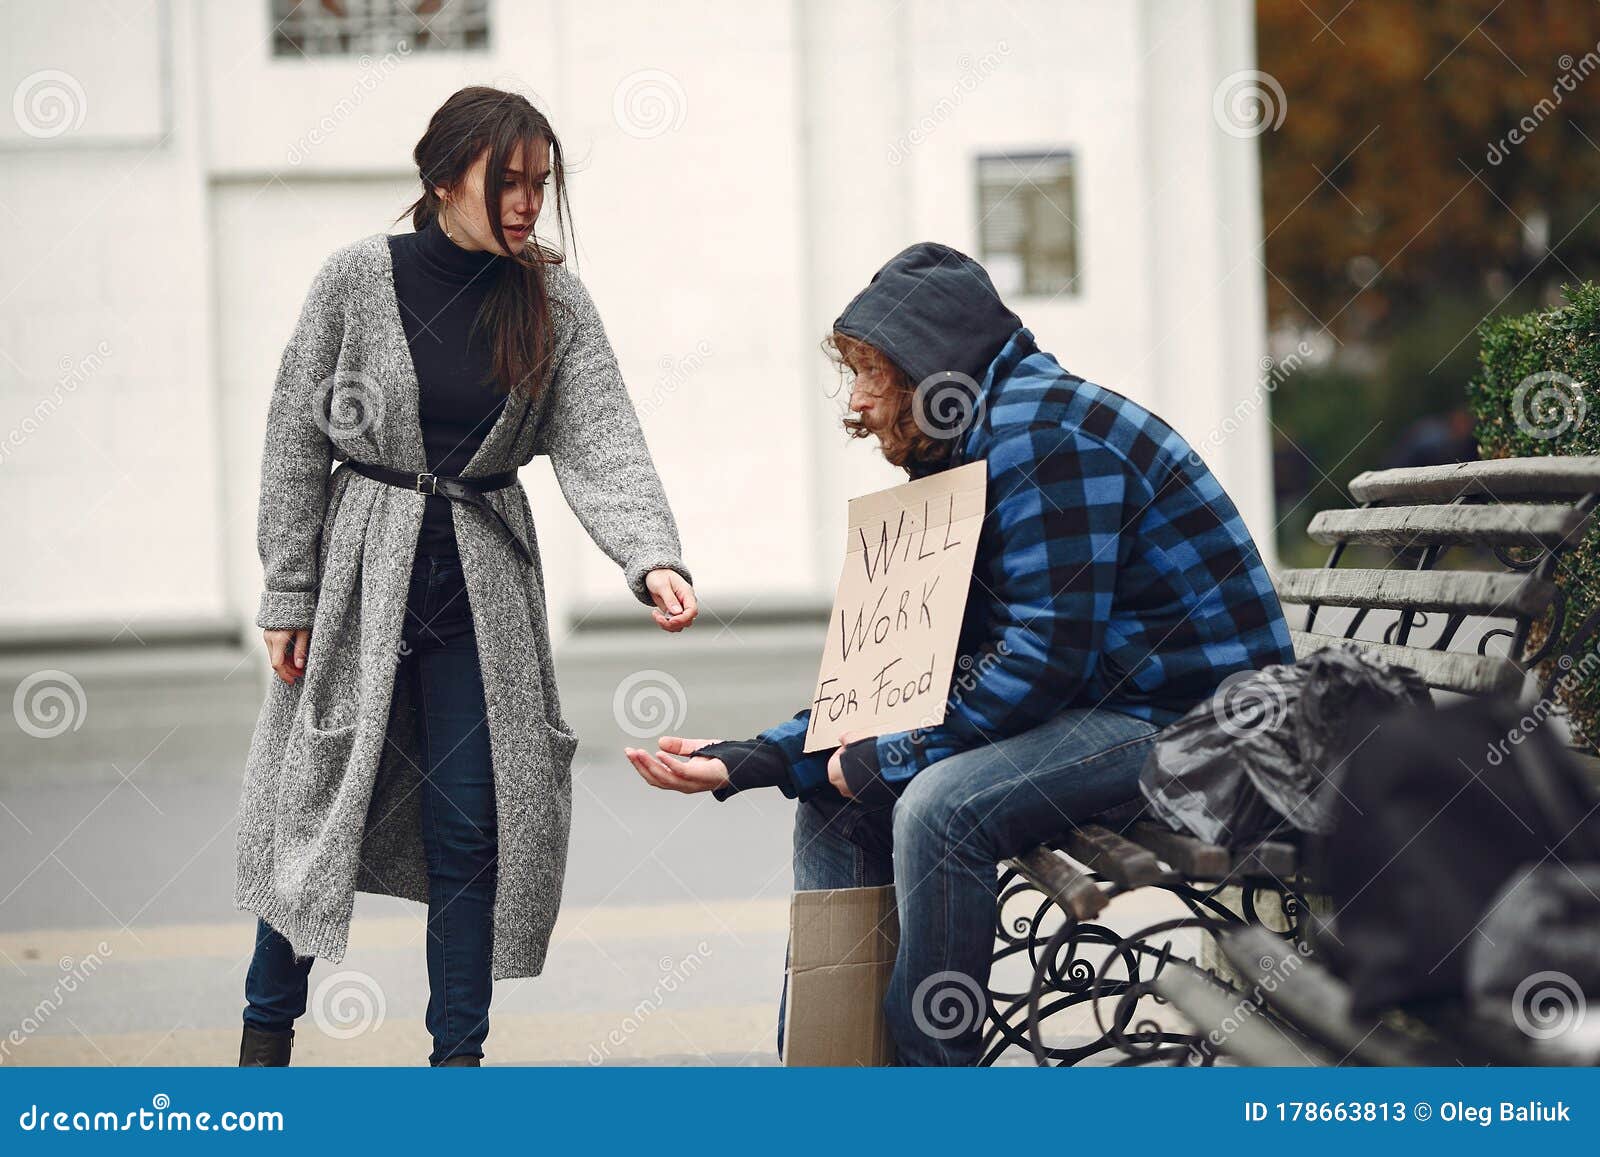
(261, 1048)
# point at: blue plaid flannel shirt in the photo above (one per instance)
(1112, 571)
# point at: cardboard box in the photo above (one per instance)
(841, 951)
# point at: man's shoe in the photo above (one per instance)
(461, 1060)
(262, 1048)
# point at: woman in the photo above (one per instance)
(413, 742)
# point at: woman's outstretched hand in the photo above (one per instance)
(286, 652)
(675, 605)
(675, 767)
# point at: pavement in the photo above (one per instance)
(120, 945)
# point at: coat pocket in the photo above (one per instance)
(563, 745)
(334, 735)
(316, 767)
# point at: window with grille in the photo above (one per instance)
(1027, 231)
(377, 27)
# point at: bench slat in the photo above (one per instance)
(1268, 860)
(1254, 1040)
(1445, 670)
(1196, 860)
(1312, 999)
(1470, 592)
(1569, 477)
(1510, 524)
(1118, 859)
(1317, 1002)
(1184, 853)
(1071, 889)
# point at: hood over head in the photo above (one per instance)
(931, 309)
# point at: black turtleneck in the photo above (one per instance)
(440, 287)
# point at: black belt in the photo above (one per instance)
(454, 487)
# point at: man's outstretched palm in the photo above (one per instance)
(675, 767)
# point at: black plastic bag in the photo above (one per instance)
(1536, 958)
(1256, 756)
(1438, 821)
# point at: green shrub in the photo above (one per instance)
(1534, 393)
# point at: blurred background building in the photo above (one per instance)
(174, 172)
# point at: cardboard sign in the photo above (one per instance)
(891, 645)
(842, 946)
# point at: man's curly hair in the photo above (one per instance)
(905, 443)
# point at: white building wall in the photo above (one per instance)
(1206, 285)
(718, 250)
(108, 461)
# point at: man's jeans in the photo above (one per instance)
(459, 834)
(940, 845)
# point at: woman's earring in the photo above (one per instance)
(443, 221)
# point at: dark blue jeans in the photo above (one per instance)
(940, 843)
(459, 836)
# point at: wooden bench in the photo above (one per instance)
(1502, 525)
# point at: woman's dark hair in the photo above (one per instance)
(471, 120)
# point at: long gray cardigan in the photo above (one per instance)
(331, 803)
